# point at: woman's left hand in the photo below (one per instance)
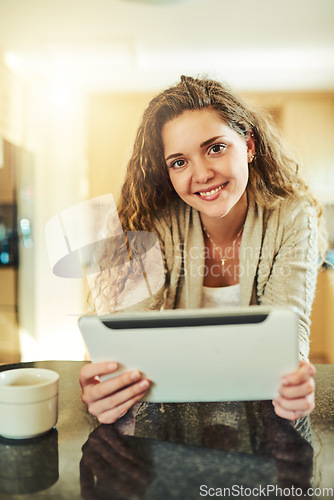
(296, 393)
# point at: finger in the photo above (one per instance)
(301, 406)
(118, 455)
(97, 407)
(298, 376)
(112, 415)
(119, 398)
(289, 414)
(312, 369)
(91, 370)
(110, 441)
(112, 385)
(297, 391)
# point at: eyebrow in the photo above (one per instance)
(205, 143)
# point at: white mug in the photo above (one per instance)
(28, 402)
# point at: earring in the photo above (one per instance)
(251, 158)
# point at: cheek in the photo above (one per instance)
(171, 177)
(240, 169)
(243, 179)
(246, 174)
(180, 182)
(174, 184)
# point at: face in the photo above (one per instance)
(207, 161)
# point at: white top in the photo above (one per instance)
(224, 296)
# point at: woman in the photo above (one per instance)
(209, 174)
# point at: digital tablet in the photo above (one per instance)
(235, 354)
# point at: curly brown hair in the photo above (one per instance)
(147, 188)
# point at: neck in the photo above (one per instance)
(226, 228)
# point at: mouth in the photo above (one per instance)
(212, 194)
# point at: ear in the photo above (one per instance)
(250, 142)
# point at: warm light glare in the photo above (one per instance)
(12, 60)
(122, 64)
(29, 65)
(221, 60)
(61, 97)
(61, 94)
(52, 346)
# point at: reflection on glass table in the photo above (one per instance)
(170, 451)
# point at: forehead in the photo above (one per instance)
(193, 127)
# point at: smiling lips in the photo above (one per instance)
(209, 195)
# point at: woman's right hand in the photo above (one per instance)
(111, 399)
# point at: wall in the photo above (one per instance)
(12, 106)
(112, 122)
(56, 128)
(307, 122)
(13, 99)
(49, 120)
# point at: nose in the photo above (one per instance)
(202, 171)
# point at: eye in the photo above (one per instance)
(178, 164)
(217, 148)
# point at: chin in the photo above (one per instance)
(214, 213)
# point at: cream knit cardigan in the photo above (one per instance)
(278, 259)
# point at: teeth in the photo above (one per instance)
(208, 193)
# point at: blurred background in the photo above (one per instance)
(75, 78)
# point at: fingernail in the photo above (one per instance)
(112, 365)
(144, 384)
(284, 381)
(135, 375)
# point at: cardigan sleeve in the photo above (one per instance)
(291, 276)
